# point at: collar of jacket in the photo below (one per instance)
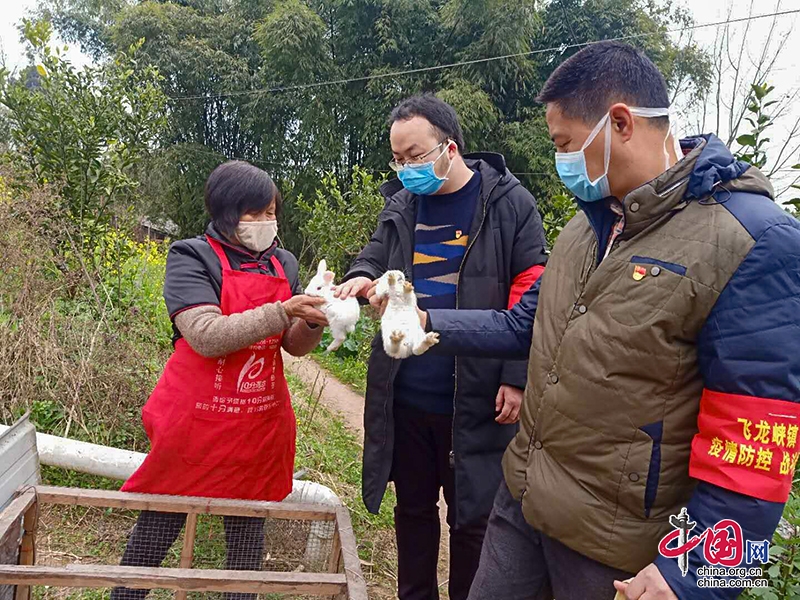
(490, 165)
(708, 169)
(244, 253)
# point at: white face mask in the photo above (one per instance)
(257, 235)
(650, 113)
(571, 166)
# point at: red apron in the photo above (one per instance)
(223, 428)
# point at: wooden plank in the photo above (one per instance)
(9, 555)
(185, 504)
(27, 551)
(335, 559)
(187, 553)
(356, 584)
(13, 514)
(190, 580)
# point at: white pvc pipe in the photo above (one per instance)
(114, 463)
(86, 458)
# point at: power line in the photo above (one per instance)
(560, 49)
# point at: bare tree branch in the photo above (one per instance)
(737, 67)
(723, 41)
(788, 187)
(783, 159)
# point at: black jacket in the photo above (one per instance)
(506, 240)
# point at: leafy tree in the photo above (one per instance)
(753, 144)
(83, 131)
(795, 202)
(244, 76)
(341, 223)
(735, 109)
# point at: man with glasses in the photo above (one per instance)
(663, 358)
(469, 236)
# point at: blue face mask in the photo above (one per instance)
(422, 180)
(571, 166)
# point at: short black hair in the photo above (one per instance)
(586, 84)
(437, 112)
(235, 188)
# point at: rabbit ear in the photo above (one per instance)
(322, 267)
(328, 277)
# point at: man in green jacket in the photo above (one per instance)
(659, 427)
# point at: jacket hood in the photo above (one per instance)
(716, 166)
(707, 168)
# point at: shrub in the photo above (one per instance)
(338, 224)
(85, 131)
(783, 570)
(82, 346)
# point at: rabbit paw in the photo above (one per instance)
(430, 340)
(397, 337)
(408, 288)
(334, 345)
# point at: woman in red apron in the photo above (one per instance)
(220, 420)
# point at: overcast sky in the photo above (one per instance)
(786, 74)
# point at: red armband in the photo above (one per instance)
(746, 444)
(523, 282)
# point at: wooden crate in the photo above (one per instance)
(18, 528)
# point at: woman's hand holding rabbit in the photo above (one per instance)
(306, 308)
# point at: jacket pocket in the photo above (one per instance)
(632, 497)
(642, 289)
(219, 442)
(669, 266)
(654, 430)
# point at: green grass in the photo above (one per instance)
(332, 455)
(348, 369)
(66, 478)
(349, 363)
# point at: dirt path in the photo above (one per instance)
(341, 399)
(336, 396)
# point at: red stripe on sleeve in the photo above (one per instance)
(523, 282)
(746, 444)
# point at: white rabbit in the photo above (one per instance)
(342, 314)
(402, 333)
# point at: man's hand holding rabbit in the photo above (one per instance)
(358, 286)
(378, 303)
